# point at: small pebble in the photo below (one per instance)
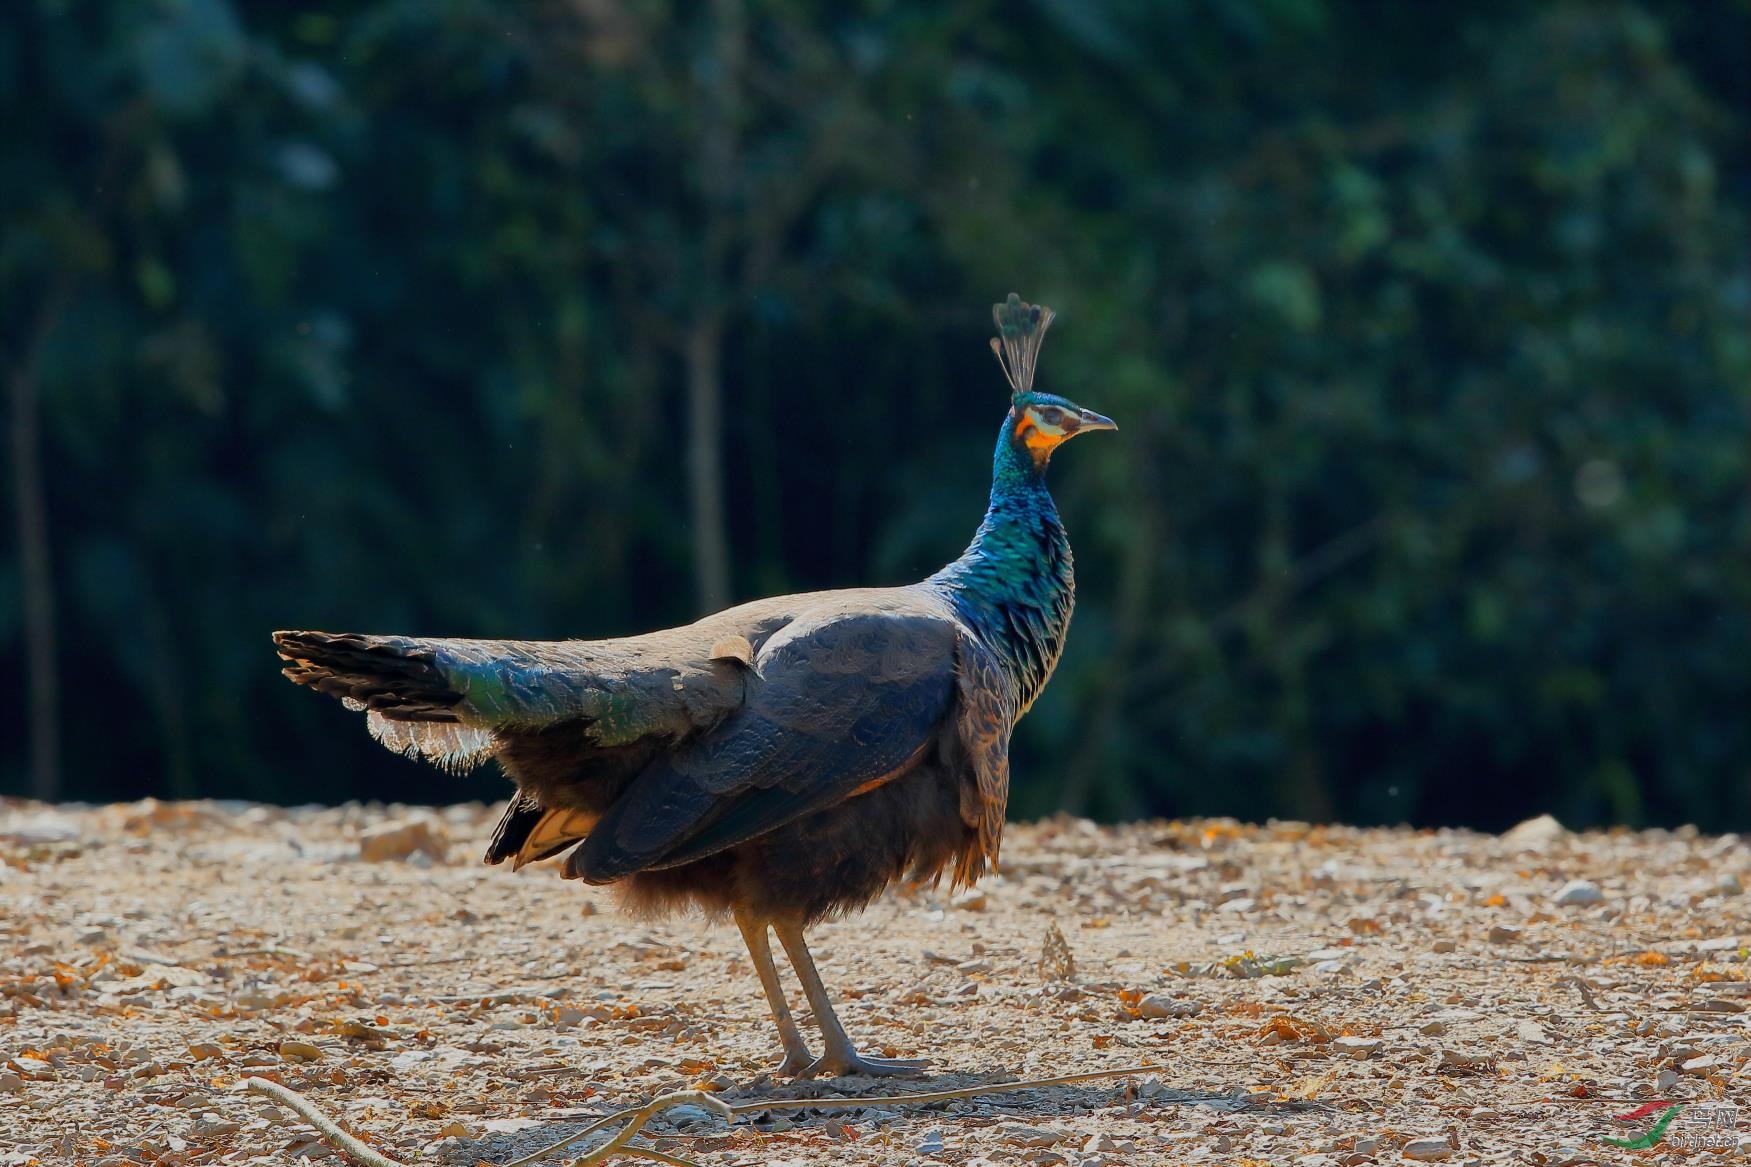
(1535, 834)
(1428, 1150)
(1029, 1136)
(1579, 893)
(1718, 1005)
(300, 1051)
(389, 841)
(1156, 1006)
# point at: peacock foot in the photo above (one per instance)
(794, 1064)
(850, 1062)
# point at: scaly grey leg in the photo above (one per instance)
(840, 1056)
(797, 1057)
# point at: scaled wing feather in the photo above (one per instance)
(837, 702)
(987, 715)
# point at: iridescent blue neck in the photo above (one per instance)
(1014, 583)
(1006, 548)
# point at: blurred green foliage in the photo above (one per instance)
(1426, 326)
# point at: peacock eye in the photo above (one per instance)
(1051, 415)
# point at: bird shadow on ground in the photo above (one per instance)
(862, 1104)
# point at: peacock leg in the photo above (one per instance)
(840, 1056)
(797, 1057)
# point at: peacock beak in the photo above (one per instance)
(1094, 421)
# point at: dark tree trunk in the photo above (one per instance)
(719, 148)
(31, 513)
(711, 556)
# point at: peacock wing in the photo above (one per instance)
(840, 700)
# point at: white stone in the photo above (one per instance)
(1535, 834)
(34, 830)
(1029, 1136)
(1428, 1150)
(390, 841)
(1156, 1006)
(1579, 893)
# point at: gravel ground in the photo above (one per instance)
(1315, 995)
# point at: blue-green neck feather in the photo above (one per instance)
(1014, 583)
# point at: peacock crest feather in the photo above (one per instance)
(1021, 328)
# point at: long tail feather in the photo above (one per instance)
(458, 702)
(387, 675)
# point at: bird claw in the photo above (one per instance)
(796, 1064)
(850, 1064)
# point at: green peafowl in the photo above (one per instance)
(782, 761)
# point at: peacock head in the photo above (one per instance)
(1038, 422)
(1042, 422)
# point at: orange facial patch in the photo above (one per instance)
(1040, 442)
(1035, 438)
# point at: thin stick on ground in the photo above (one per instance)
(307, 1110)
(636, 1117)
(644, 1114)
